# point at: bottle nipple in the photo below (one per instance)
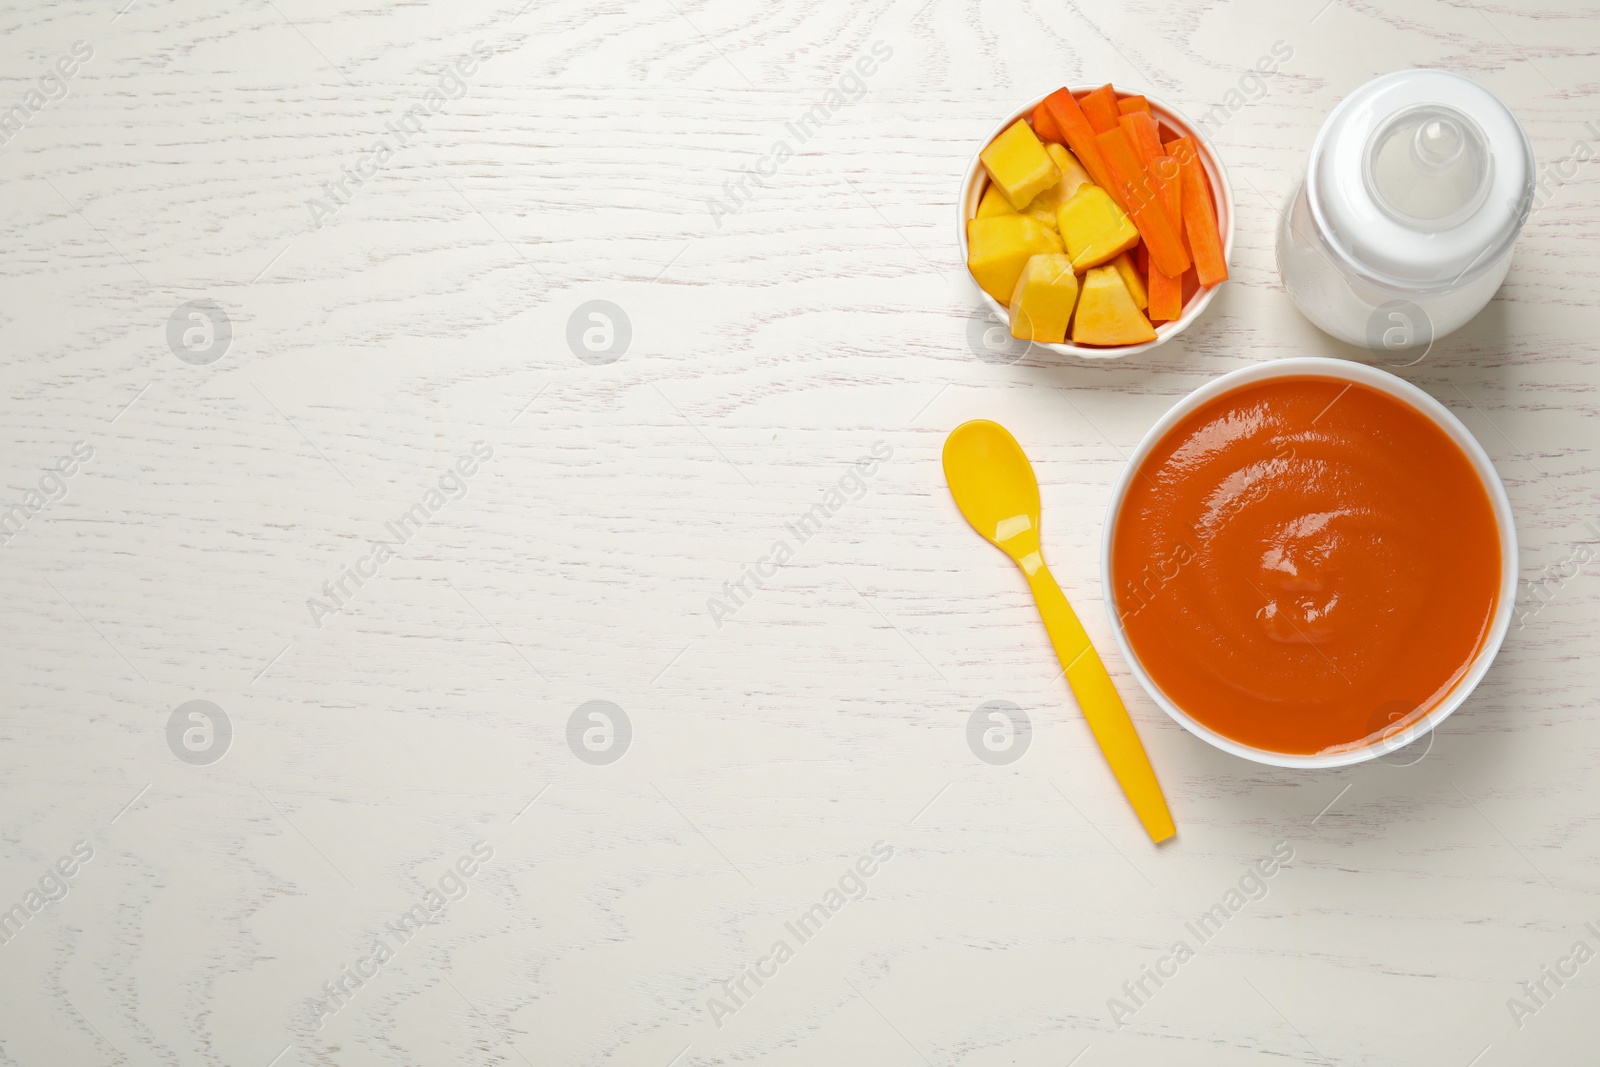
(1438, 143)
(1428, 166)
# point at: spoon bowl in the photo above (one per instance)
(994, 486)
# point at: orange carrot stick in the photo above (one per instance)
(1200, 215)
(1182, 149)
(1045, 126)
(1100, 107)
(1074, 126)
(1165, 290)
(1144, 205)
(1146, 139)
(1129, 104)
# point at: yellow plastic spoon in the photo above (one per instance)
(994, 486)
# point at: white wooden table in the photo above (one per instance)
(383, 715)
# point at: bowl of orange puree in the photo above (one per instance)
(1309, 562)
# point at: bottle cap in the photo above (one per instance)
(1420, 179)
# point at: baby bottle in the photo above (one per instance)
(1415, 191)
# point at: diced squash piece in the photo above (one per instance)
(994, 203)
(1079, 137)
(1072, 173)
(1100, 108)
(1131, 276)
(1041, 305)
(1073, 178)
(1129, 104)
(1199, 214)
(1043, 214)
(1018, 164)
(998, 247)
(1166, 293)
(1093, 228)
(1106, 313)
(1044, 125)
(1143, 201)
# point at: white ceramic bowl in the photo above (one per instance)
(976, 180)
(1404, 391)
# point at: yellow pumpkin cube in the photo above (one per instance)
(1073, 178)
(998, 247)
(1043, 217)
(1041, 305)
(1019, 165)
(1106, 312)
(995, 203)
(1130, 278)
(1094, 228)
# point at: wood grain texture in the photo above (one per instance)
(770, 349)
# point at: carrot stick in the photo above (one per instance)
(1146, 140)
(1183, 148)
(1165, 295)
(1100, 107)
(1165, 290)
(1191, 286)
(1045, 126)
(1074, 126)
(1129, 104)
(1200, 215)
(1144, 206)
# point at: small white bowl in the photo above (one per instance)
(976, 180)
(1405, 392)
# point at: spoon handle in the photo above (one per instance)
(1101, 706)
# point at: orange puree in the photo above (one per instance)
(1303, 562)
